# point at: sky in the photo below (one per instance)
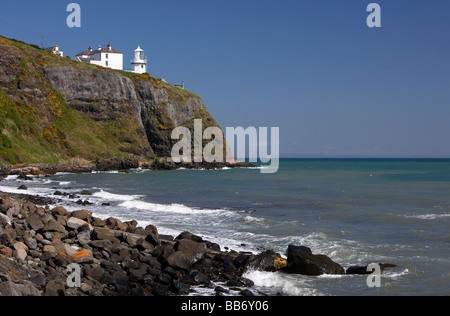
(313, 68)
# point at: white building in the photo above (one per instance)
(105, 57)
(55, 50)
(139, 63)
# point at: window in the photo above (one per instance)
(107, 64)
(142, 66)
(106, 56)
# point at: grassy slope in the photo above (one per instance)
(45, 129)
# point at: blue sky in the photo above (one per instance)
(335, 87)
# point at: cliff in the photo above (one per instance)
(55, 110)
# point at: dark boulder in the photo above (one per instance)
(263, 262)
(187, 252)
(301, 260)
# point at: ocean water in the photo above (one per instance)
(354, 211)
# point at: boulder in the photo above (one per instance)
(82, 214)
(76, 223)
(99, 233)
(55, 287)
(35, 221)
(263, 262)
(59, 211)
(187, 252)
(301, 260)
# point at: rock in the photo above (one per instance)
(153, 239)
(104, 234)
(83, 215)
(21, 254)
(76, 223)
(54, 226)
(82, 257)
(246, 292)
(84, 236)
(301, 260)
(6, 252)
(86, 192)
(101, 244)
(55, 287)
(9, 288)
(196, 278)
(362, 270)
(35, 222)
(22, 187)
(20, 245)
(59, 211)
(31, 242)
(263, 262)
(189, 236)
(187, 252)
(50, 251)
(4, 220)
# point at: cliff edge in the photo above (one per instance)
(56, 110)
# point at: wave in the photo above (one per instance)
(116, 197)
(172, 208)
(428, 216)
(278, 282)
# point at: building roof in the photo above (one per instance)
(53, 48)
(98, 51)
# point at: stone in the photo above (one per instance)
(20, 245)
(22, 187)
(60, 211)
(6, 252)
(301, 260)
(189, 236)
(31, 242)
(104, 234)
(86, 192)
(82, 257)
(262, 262)
(54, 226)
(4, 220)
(82, 214)
(75, 223)
(153, 239)
(187, 253)
(50, 250)
(101, 244)
(21, 254)
(55, 287)
(35, 222)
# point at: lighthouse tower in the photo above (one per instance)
(139, 63)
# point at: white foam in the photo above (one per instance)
(279, 282)
(428, 216)
(117, 197)
(169, 208)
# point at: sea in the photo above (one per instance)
(356, 211)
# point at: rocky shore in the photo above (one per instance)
(111, 164)
(39, 246)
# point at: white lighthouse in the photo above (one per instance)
(139, 64)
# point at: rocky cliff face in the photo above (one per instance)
(54, 109)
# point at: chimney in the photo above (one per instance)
(109, 46)
(90, 48)
(99, 47)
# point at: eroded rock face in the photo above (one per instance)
(107, 96)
